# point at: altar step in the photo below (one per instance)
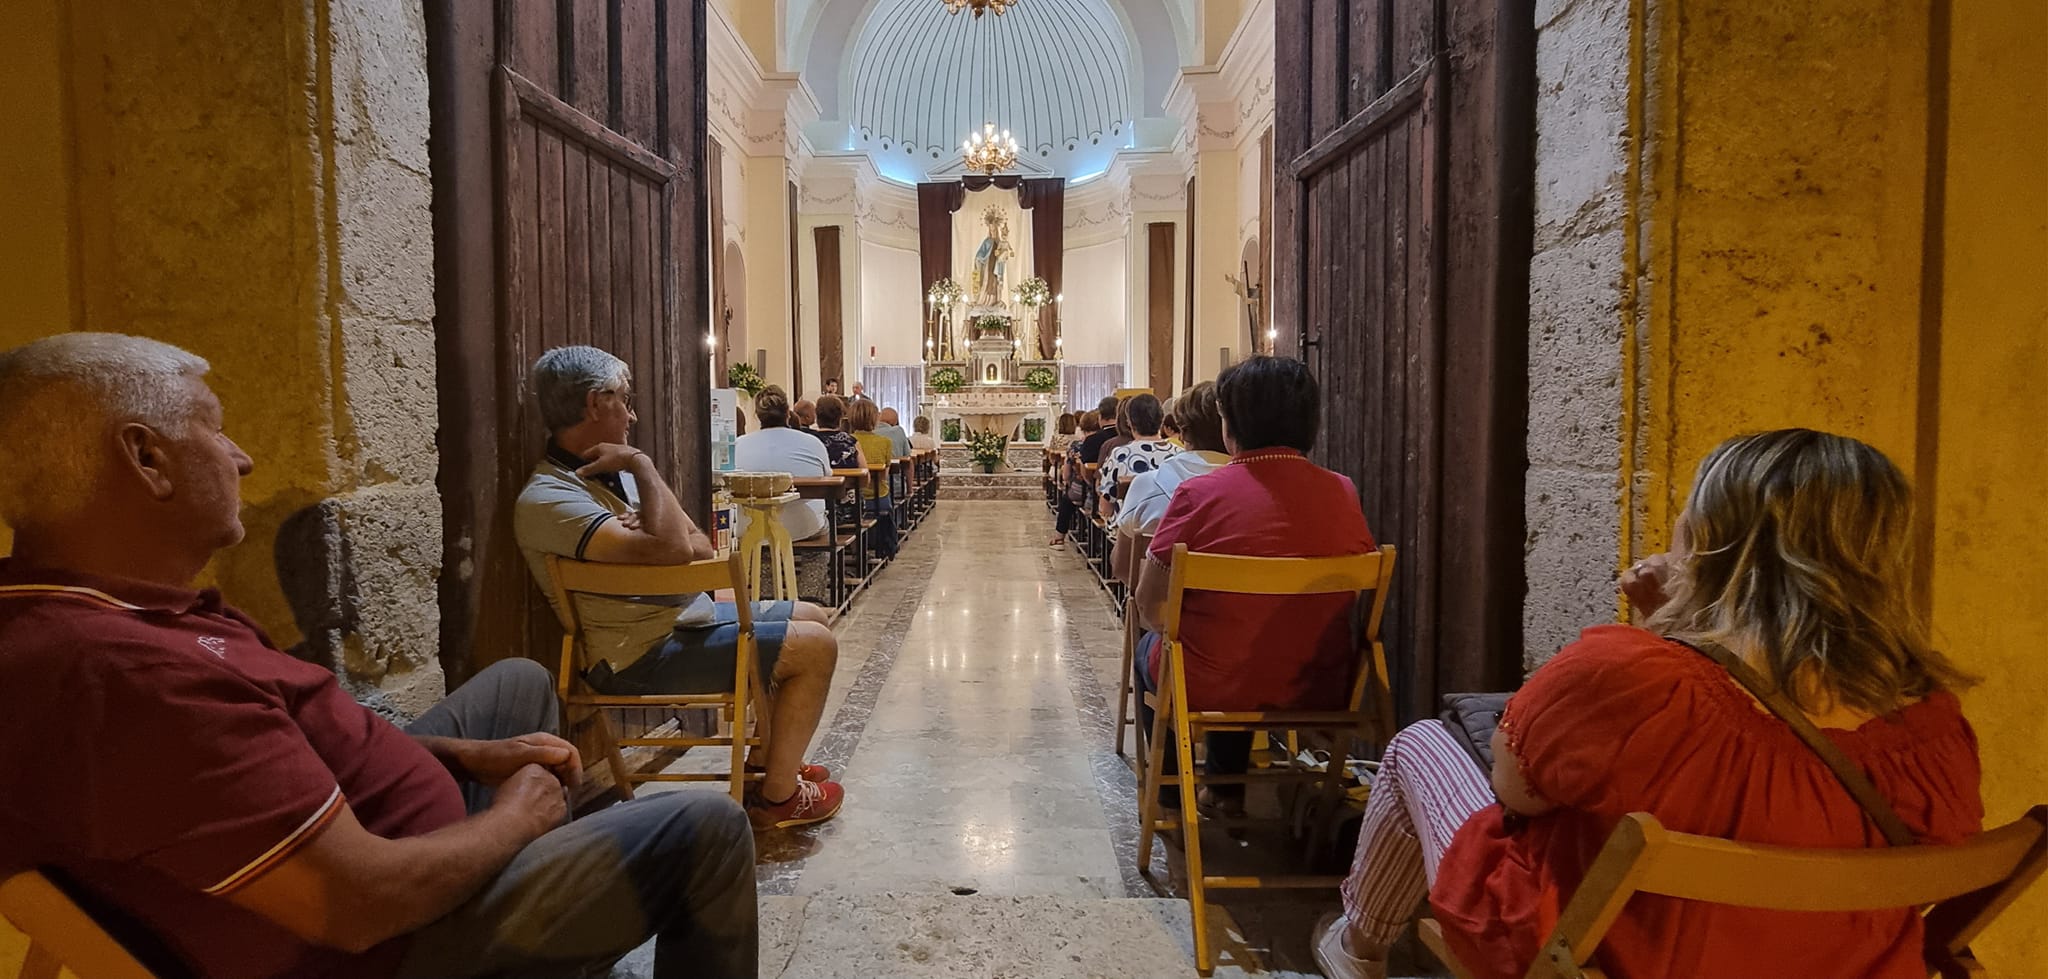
(1022, 455)
(962, 484)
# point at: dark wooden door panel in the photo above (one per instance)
(584, 120)
(1381, 237)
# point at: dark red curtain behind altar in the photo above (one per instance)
(1044, 197)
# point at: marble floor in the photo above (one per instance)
(989, 830)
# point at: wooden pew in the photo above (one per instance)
(837, 542)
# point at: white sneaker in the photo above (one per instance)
(1331, 958)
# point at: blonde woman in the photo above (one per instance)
(1793, 555)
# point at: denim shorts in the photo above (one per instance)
(700, 660)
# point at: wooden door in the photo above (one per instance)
(1401, 253)
(570, 208)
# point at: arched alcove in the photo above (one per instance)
(733, 329)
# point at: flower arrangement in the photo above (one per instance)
(944, 292)
(987, 449)
(743, 376)
(1034, 429)
(1041, 379)
(949, 430)
(1034, 292)
(991, 323)
(946, 380)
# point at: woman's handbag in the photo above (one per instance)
(1472, 718)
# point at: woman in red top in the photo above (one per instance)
(1793, 553)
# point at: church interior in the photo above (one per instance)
(1011, 405)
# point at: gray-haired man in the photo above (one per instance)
(594, 497)
(159, 753)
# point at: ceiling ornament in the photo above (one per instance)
(979, 6)
(987, 152)
(1057, 73)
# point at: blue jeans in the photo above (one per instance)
(700, 660)
(1230, 752)
(674, 866)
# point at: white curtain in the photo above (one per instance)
(895, 387)
(1088, 384)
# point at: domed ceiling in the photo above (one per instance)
(1058, 74)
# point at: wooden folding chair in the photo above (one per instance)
(1127, 689)
(572, 578)
(61, 934)
(1964, 887)
(1369, 714)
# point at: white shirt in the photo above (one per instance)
(786, 450)
(921, 442)
(1150, 492)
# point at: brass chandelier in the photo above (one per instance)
(987, 152)
(979, 6)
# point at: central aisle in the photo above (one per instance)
(989, 830)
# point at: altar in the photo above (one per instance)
(985, 372)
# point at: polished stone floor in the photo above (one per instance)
(989, 830)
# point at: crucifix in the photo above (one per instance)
(1248, 294)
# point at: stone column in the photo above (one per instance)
(251, 182)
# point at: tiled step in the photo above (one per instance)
(991, 486)
(1020, 456)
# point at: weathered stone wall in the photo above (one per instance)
(1576, 315)
(251, 182)
(1774, 202)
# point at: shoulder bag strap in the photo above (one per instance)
(1847, 772)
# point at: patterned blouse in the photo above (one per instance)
(1133, 458)
(840, 448)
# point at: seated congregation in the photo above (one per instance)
(245, 817)
(241, 816)
(1782, 610)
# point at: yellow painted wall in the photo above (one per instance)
(189, 231)
(1783, 210)
(1785, 237)
(1991, 530)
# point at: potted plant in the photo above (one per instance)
(1041, 379)
(743, 376)
(949, 430)
(987, 449)
(946, 380)
(1034, 429)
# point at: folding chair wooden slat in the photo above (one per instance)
(572, 578)
(61, 934)
(1369, 714)
(1967, 884)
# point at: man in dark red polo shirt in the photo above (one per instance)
(1258, 652)
(160, 755)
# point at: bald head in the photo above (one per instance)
(890, 417)
(804, 414)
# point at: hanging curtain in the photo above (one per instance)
(1046, 198)
(1088, 384)
(895, 387)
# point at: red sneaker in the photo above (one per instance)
(814, 802)
(809, 772)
